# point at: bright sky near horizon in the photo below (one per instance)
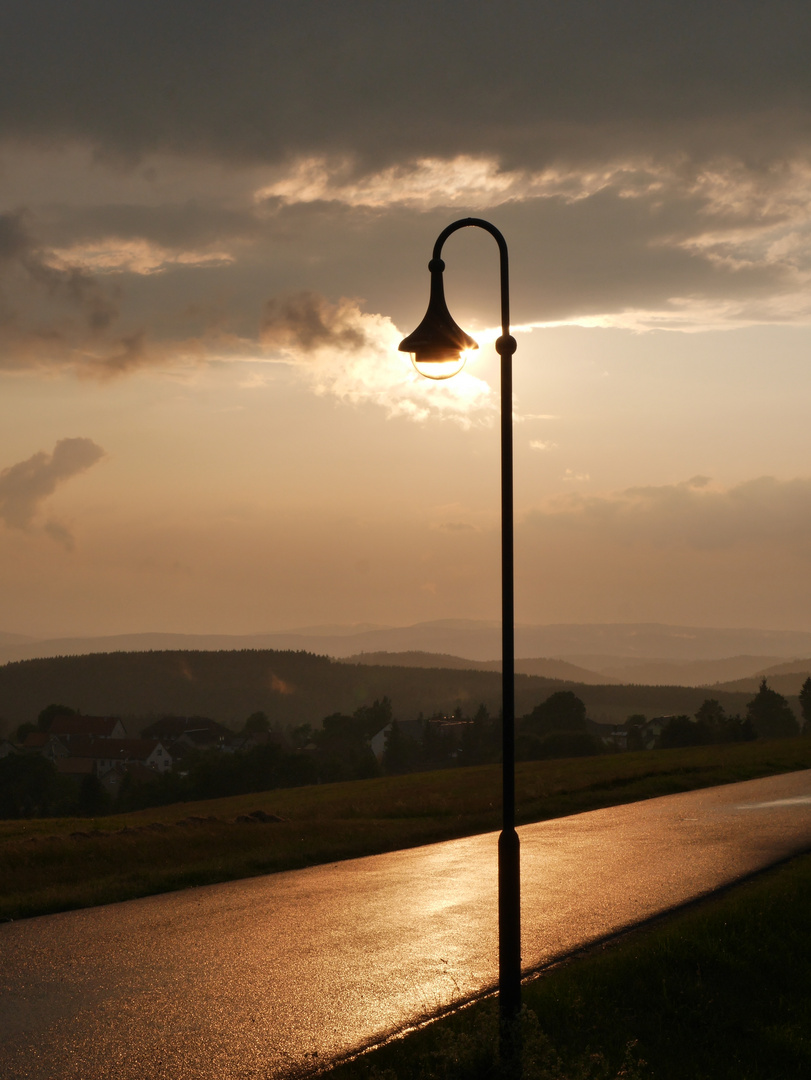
(215, 223)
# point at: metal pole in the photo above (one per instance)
(509, 858)
(509, 873)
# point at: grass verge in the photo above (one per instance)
(721, 991)
(50, 865)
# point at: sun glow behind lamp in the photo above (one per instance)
(438, 350)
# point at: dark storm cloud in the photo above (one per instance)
(387, 81)
(640, 155)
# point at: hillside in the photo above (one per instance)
(785, 678)
(296, 688)
(661, 672)
(546, 667)
(608, 644)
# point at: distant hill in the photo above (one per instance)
(543, 666)
(7, 640)
(786, 679)
(297, 687)
(467, 638)
(679, 672)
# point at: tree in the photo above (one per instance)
(24, 730)
(30, 786)
(257, 722)
(720, 727)
(301, 736)
(562, 711)
(93, 799)
(711, 713)
(805, 705)
(480, 739)
(373, 718)
(50, 712)
(635, 725)
(344, 752)
(557, 744)
(434, 745)
(682, 731)
(401, 753)
(770, 714)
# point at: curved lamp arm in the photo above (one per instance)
(506, 343)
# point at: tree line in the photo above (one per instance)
(341, 749)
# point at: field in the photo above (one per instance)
(49, 865)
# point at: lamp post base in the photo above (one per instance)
(509, 948)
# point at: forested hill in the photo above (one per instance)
(296, 688)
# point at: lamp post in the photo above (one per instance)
(438, 348)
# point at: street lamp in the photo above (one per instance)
(438, 350)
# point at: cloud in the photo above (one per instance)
(425, 183)
(307, 323)
(59, 532)
(24, 487)
(23, 262)
(340, 350)
(51, 322)
(387, 83)
(50, 313)
(109, 290)
(138, 256)
(640, 241)
(650, 165)
(55, 314)
(693, 514)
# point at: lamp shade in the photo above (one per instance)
(438, 344)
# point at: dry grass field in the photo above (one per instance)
(49, 865)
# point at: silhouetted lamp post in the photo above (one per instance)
(438, 348)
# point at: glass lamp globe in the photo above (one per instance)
(439, 367)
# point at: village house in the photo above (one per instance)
(66, 728)
(653, 729)
(65, 731)
(192, 731)
(107, 754)
(614, 736)
(76, 768)
(236, 744)
(94, 745)
(42, 742)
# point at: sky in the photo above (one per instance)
(215, 224)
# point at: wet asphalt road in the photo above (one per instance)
(264, 977)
